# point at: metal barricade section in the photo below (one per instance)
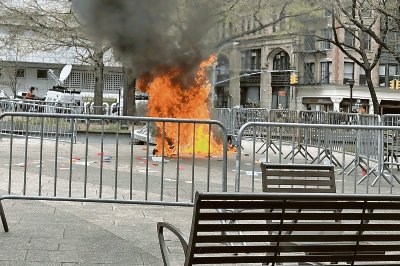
(356, 151)
(241, 116)
(390, 148)
(224, 116)
(35, 106)
(49, 128)
(104, 164)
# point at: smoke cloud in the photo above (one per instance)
(151, 33)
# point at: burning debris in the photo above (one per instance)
(166, 45)
(168, 98)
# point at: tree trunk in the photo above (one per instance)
(129, 93)
(99, 82)
(372, 92)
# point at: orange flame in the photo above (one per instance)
(170, 97)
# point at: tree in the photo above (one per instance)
(389, 10)
(53, 26)
(361, 23)
(12, 48)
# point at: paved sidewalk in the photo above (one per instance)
(65, 233)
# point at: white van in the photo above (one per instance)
(64, 97)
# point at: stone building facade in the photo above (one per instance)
(256, 73)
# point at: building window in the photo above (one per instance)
(281, 61)
(309, 70)
(251, 60)
(20, 73)
(326, 72)
(222, 65)
(382, 76)
(367, 41)
(327, 36)
(41, 74)
(274, 25)
(309, 42)
(362, 77)
(348, 72)
(393, 72)
(223, 30)
(387, 74)
(282, 22)
(349, 38)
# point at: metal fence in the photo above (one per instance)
(33, 106)
(38, 106)
(236, 117)
(365, 157)
(104, 164)
(48, 127)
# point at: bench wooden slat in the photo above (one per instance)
(290, 226)
(291, 259)
(300, 190)
(253, 238)
(328, 248)
(320, 216)
(298, 173)
(248, 238)
(299, 182)
(300, 166)
(303, 204)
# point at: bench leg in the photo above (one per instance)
(3, 218)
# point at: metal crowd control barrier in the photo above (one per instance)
(224, 116)
(36, 107)
(40, 127)
(241, 116)
(366, 145)
(107, 166)
(375, 174)
(306, 136)
(391, 145)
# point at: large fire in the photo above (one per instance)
(169, 97)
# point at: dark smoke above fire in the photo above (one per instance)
(146, 34)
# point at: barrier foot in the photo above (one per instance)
(347, 166)
(3, 218)
(382, 174)
(300, 150)
(372, 171)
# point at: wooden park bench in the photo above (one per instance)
(360, 238)
(300, 178)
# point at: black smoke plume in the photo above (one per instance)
(151, 33)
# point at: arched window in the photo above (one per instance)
(281, 61)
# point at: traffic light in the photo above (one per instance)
(391, 84)
(293, 79)
(397, 83)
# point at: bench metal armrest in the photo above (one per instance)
(182, 238)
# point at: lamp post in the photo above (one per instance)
(351, 84)
(214, 76)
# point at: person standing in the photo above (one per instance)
(30, 95)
